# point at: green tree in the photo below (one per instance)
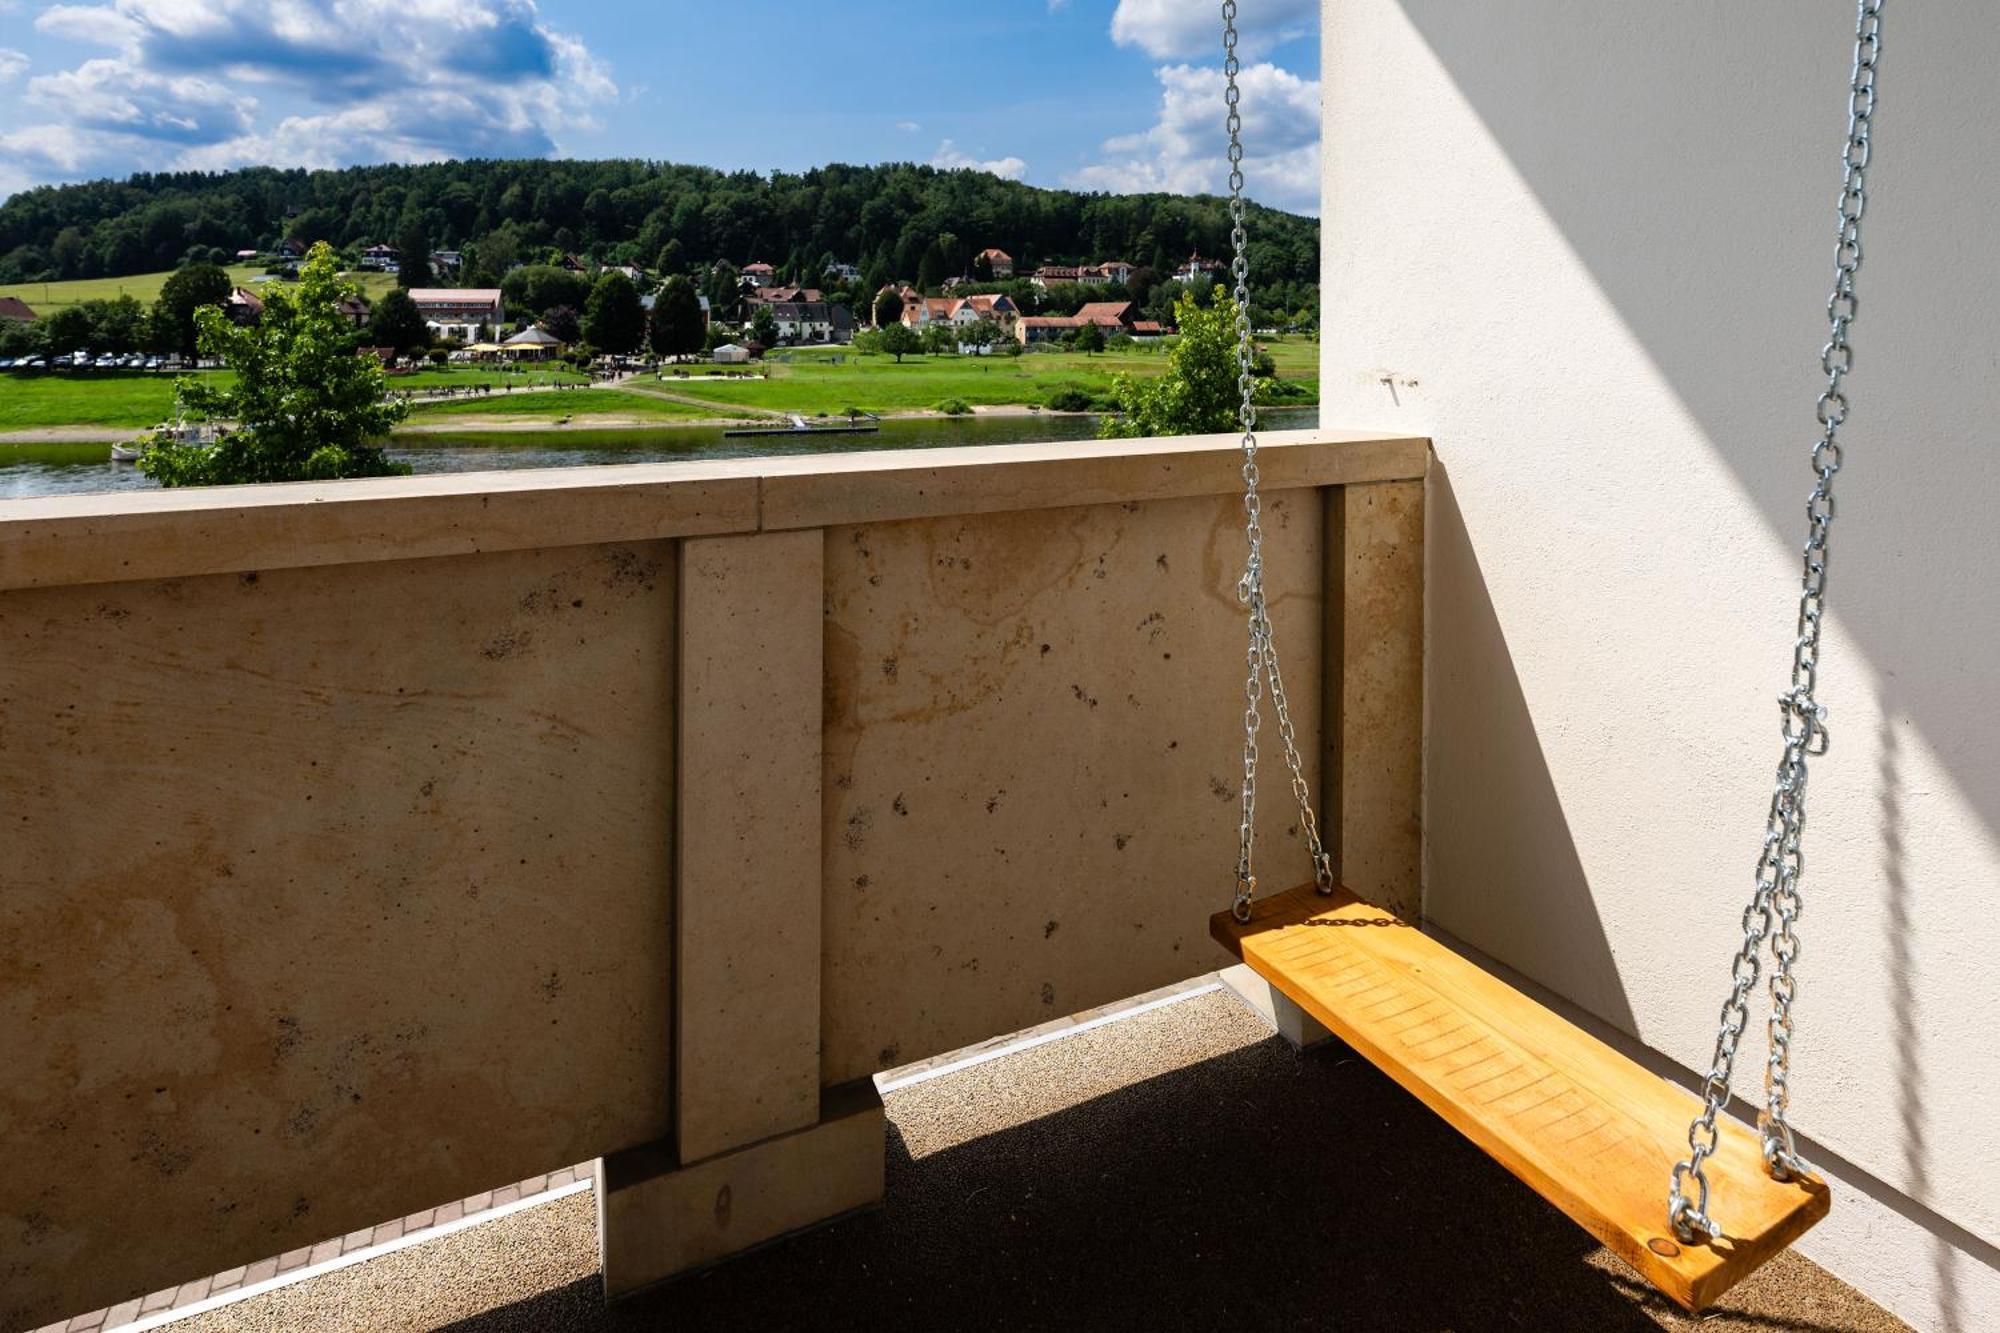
(939, 339)
(613, 320)
(538, 288)
(764, 326)
(1198, 394)
(397, 323)
(186, 291)
(564, 324)
(724, 290)
(306, 407)
(1089, 339)
(888, 307)
(67, 330)
(900, 340)
(413, 262)
(676, 327)
(984, 333)
(931, 268)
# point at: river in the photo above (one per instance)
(28, 470)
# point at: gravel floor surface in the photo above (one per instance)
(1179, 1169)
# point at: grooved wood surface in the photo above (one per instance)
(1592, 1132)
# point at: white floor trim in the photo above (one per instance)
(1032, 1039)
(165, 1317)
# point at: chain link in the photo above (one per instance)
(1262, 655)
(1774, 907)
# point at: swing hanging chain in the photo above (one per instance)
(1774, 907)
(1262, 656)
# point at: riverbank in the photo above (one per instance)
(817, 382)
(65, 467)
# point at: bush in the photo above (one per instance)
(1069, 400)
(440, 355)
(955, 407)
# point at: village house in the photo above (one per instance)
(243, 307)
(460, 312)
(533, 344)
(1083, 275)
(446, 261)
(1110, 317)
(1196, 268)
(758, 275)
(354, 310)
(842, 272)
(803, 321)
(381, 258)
(959, 311)
(14, 308)
(783, 296)
(1000, 261)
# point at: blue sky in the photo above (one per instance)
(1092, 94)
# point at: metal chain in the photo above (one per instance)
(1262, 657)
(1774, 907)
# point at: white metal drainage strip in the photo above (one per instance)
(352, 1257)
(1044, 1038)
(334, 1265)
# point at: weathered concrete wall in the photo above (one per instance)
(341, 876)
(328, 894)
(1033, 752)
(1587, 249)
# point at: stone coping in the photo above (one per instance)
(106, 538)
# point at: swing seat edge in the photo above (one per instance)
(1581, 1124)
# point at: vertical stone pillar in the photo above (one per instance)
(1373, 751)
(757, 1151)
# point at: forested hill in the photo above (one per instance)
(880, 218)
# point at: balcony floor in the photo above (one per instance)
(1168, 1170)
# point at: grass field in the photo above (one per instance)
(100, 398)
(48, 297)
(555, 405)
(815, 381)
(132, 398)
(462, 377)
(831, 380)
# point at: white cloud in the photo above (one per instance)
(12, 64)
(1182, 30)
(950, 157)
(392, 80)
(1186, 150)
(114, 97)
(908, 126)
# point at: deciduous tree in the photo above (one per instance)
(186, 291)
(676, 327)
(305, 407)
(1198, 394)
(613, 320)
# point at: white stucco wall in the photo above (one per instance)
(1591, 246)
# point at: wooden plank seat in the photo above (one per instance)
(1583, 1126)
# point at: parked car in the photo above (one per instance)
(153, 363)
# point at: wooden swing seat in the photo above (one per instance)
(1584, 1127)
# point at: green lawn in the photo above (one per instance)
(474, 376)
(48, 297)
(99, 398)
(555, 405)
(121, 398)
(829, 380)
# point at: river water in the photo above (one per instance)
(67, 469)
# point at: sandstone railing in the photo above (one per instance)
(372, 844)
